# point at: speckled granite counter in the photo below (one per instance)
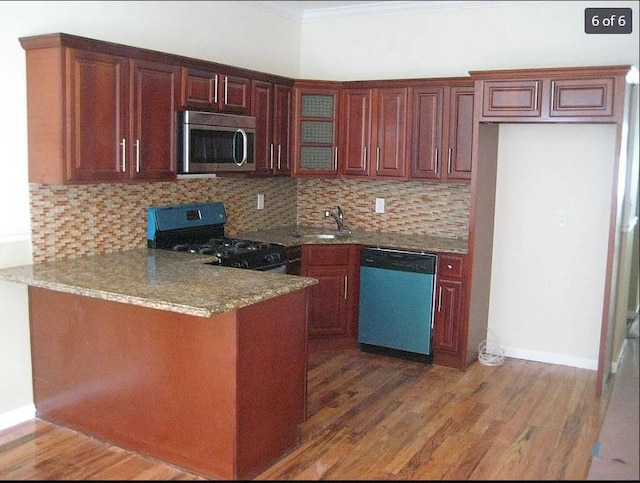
(295, 235)
(158, 279)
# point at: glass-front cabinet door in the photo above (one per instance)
(316, 130)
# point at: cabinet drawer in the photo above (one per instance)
(324, 255)
(450, 266)
(583, 97)
(512, 98)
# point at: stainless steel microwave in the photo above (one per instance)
(210, 142)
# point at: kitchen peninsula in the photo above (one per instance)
(198, 365)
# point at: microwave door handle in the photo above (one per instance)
(245, 146)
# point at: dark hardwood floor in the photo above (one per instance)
(374, 417)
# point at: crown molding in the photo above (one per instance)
(299, 12)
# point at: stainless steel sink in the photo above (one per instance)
(323, 235)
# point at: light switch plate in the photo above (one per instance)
(561, 217)
(261, 202)
(379, 205)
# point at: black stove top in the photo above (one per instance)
(200, 229)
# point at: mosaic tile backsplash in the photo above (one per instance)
(72, 221)
(413, 207)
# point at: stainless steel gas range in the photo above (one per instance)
(200, 228)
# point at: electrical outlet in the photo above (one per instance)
(379, 205)
(261, 202)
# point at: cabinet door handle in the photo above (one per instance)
(137, 155)
(345, 287)
(123, 162)
(335, 160)
(226, 84)
(215, 89)
(437, 166)
(279, 156)
(271, 155)
(377, 158)
(449, 160)
(439, 298)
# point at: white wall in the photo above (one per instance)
(547, 281)
(452, 42)
(16, 395)
(226, 32)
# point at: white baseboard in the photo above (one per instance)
(516, 353)
(17, 416)
(616, 362)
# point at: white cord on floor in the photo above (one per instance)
(490, 354)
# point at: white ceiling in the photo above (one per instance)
(318, 10)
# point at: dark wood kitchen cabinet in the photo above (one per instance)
(512, 98)
(333, 307)
(222, 396)
(271, 105)
(547, 95)
(442, 127)
(109, 118)
(373, 132)
(450, 312)
(294, 259)
(215, 91)
(315, 136)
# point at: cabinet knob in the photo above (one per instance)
(449, 266)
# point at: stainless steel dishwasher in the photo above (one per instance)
(396, 302)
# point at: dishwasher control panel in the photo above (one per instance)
(398, 260)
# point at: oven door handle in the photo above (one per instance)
(245, 142)
(276, 267)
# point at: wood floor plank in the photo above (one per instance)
(373, 417)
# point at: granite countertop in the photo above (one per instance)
(158, 279)
(295, 235)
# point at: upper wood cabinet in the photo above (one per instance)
(356, 127)
(282, 128)
(511, 98)
(374, 132)
(442, 127)
(460, 117)
(315, 136)
(111, 109)
(108, 117)
(592, 98)
(155, 93)
(585, 94)
(215, 91)
(271, 105)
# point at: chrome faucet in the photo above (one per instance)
(339, 217)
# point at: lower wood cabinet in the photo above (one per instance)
(334, 300)
(333, 318)
(450, 328)
(294, 260)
